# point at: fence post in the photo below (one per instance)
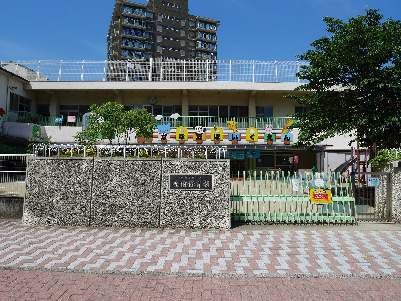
(230, 70)
(38, 72)
(104, 70)
(59, 72)
(276, 70)
(150, 69)
(82, 72)
(253, 71)
(207, 70)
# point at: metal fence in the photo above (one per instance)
(278, 197)
(187, 121)
(132, 151)
(12, 175)
(158, 70)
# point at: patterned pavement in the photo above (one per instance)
(197, 265)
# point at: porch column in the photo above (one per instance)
(252, 107)
(118, 97)
(54, 107)
(185, 103)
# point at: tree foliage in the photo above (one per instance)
(353, 82)
(111, 120)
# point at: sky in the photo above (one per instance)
(262, 30)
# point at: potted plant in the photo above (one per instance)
(143, 123)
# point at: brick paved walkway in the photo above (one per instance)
(110, 264)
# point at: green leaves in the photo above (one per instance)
(111, 120)
(354, 79)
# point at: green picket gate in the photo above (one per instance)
(276, 197)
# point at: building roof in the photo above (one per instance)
(13, 74)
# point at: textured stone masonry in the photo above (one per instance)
(116, 192)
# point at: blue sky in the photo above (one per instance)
(264, 30)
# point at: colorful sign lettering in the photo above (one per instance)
(239, 155)
(373, 182)
(232, 125)
(254, 154)
(320, 196)
(252, 135)
(164, 132)
(217, 134)
(181, 134)
(287, 138)
(199, 134)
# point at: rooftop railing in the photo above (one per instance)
(187, 121)
(158, 70)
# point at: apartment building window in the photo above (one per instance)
(134, 32)
(206, 55)
(264, 111)
(191, 43)
(171, 18)
(207, 26)
(135, 22)
(135, 11)
(132, 54)
(208, 36)
(170, 28)
(171, 4)
(207, 45)
(133, 43)
(170, 48)
(192, 23)
(192, 33)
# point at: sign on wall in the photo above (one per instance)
(320, 196)
(191, 182)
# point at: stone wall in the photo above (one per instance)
(116, 192)
(11, 207)
(196, 208)
(396, 193)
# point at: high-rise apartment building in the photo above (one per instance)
(160, 29)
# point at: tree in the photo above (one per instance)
(111, 120)
(353, 83)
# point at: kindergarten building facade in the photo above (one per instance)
(248, 115)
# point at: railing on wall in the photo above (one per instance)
(12, 175)
(28, 117)
(187, 121)
(158, 70)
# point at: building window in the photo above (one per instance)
(171, 5)
(207, 45)
(301, 109)
(264, 111)
(266, 160)
(135, 11)
(207, 26)
(192, 23)
(134, 32)
(73, 110)
(192, 33)
(135, 22)
(219, 111)
(163, 110)
(19, 103)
